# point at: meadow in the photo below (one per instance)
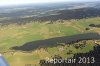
(17, 35)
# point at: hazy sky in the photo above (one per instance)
(15, 2)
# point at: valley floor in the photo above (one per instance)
(18, 35)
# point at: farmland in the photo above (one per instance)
(17, 35)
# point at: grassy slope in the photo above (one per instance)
(13, 35)
(16, 35)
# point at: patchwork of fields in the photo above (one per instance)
(17, 35)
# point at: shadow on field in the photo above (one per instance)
(56, 41)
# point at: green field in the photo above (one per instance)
(17, 35)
